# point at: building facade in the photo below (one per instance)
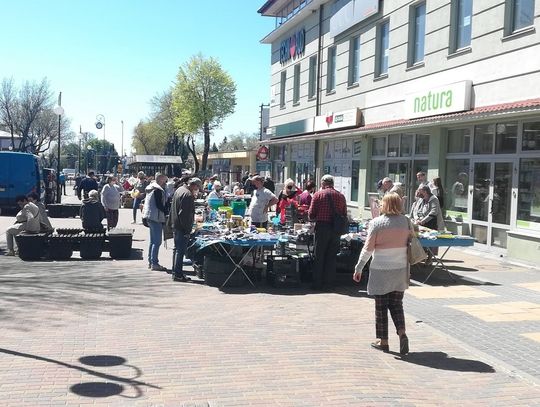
(364, 89)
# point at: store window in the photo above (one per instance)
(531, 137)
(331, 70)
(459, 141)
(422, 144)
(302, 163)
(500, 138)
(406, 145)
(337, 160)
(460, 25)
(355, 180)
(417, 33)
(377, 172)
(529, 192)
(382, 50)
(296, 85)
(378, 146)
(282, 89)
(519, 14)
(312, 86)
(354, 61)
(506, 138)
(393, 145)
(457, 186)
(483, 139)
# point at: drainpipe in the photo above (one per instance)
(319, 54)
(318, 161)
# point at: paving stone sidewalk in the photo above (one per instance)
(114, 333)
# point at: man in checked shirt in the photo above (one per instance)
(325, 204)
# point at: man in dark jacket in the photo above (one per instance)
(88, 184)
(92, 212)
(181, 221)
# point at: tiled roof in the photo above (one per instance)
(483, 112)
(479, 111)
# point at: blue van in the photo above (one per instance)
(20, 174)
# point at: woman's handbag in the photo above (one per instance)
(415, 251)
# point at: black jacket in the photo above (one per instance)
(182, 210)
(92, 213)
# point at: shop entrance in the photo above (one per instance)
(491, 201)
(405, 172)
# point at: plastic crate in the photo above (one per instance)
(91, 246)
(217, 270)
(60, 247)
(54, 210)
(283, 271)
(120, 243)
(31, 246)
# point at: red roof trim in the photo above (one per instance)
(502, 107)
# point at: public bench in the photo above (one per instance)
(61, 244)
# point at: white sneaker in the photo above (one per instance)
(10, 253)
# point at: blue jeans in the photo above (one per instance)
(136, 203)
(180, 246)
(156, 237)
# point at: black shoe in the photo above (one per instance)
(181, 279)
(403, 344)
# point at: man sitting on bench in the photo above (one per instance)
(27, 220)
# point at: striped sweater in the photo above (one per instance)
(387, 243)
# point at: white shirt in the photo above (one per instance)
(214, 195)
(258, 208)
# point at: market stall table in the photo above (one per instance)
(448, 242)
(228, 245)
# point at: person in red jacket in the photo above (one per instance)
(287, 197)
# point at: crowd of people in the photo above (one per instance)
(170, 204)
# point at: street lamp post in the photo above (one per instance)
(122, 147)
(58, 110)
(100, 123)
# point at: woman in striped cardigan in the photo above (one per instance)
(387, 242)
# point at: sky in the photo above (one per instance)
(110, 57)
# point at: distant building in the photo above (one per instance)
(5, 141)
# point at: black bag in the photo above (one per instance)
(340, 223)
(145, 222)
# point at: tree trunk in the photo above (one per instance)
(206, 130)
(191, 148)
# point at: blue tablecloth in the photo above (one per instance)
(463, 241)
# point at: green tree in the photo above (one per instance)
(214, 148)
(148, 138)
(204, 95)
(103, 157)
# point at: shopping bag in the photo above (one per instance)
(415, 251)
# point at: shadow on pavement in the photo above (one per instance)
(440, 360)
(96, 389)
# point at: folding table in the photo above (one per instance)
(428, 244)
(250, 244)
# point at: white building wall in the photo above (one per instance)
(501, 69)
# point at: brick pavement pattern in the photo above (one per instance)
(114, 333)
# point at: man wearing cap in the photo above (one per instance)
(326, 203)
(181, 221)
(261, 200)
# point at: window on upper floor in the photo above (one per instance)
(417, 33)
(354, 60)
(460, 24)
(331, 73)
(519, 14)
(382, 50)
(296, 85)
(282, 89)
(312, 85)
